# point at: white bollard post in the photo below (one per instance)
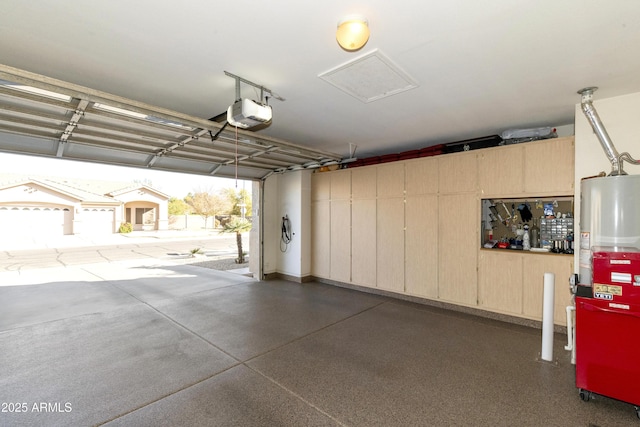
(547, 317)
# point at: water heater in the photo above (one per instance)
(609, 217)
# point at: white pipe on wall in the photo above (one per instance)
(571, 334)
(547, 317)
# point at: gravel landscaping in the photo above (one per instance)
(220, 264)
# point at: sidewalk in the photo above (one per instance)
(73, 241)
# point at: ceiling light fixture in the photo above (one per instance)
(142, 116)
(35, 91)
(353, 32)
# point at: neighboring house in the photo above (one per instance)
(57, 206)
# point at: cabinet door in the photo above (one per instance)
(321, 186)
(341, 240)
(390, 178)
(458, 172)
(549, 167)
(421, 176)
(458, 247)
(535, 265)
(390, 244)
(320, 239)
(500, 171)
(500, 281)
(340, 185)
(421, 236)
(363, 242)
(363, 183)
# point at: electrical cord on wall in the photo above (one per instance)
(285, 237)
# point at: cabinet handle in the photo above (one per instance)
(591, 307)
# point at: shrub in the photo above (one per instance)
(125, 227)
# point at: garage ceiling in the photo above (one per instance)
(465, 69)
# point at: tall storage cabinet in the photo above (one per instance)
(363, 242)
(421, 228)
(413, 227)
(458, 248)
(340, 229)
(320, 221)
(390, 245)
(390, 227)
(421, 241)
(458, 215)
(363, 221)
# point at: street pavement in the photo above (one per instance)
(18, 257)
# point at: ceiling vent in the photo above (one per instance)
(370, 77)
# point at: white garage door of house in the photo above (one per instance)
(98, 220)
(16, 221)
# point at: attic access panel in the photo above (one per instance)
(370, 77)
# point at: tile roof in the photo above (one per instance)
(86, 190)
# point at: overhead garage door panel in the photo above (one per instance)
(70, 121)
(20, 144)
(98, 221)
(104, 155)
(40, 222)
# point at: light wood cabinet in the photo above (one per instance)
(533, 280)
(341, 185)
(421, 176)
(512, 283)
(458, 172)
(500, 171)
(500, 281)
(457, 244)
(320, 186)
(413, 227)
(390, 255)
(390, 180)
(363, 242)
(340, 240)
(321, 240)
(421, 235)
(363, 183)
(549, 167)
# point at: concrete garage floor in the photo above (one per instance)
(156, 344)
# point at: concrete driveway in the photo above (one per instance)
(19, 256)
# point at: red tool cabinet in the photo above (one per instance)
(608, 329)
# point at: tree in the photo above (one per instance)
(237, 200)
(178, 206)
(204, 204)
(237, 225)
